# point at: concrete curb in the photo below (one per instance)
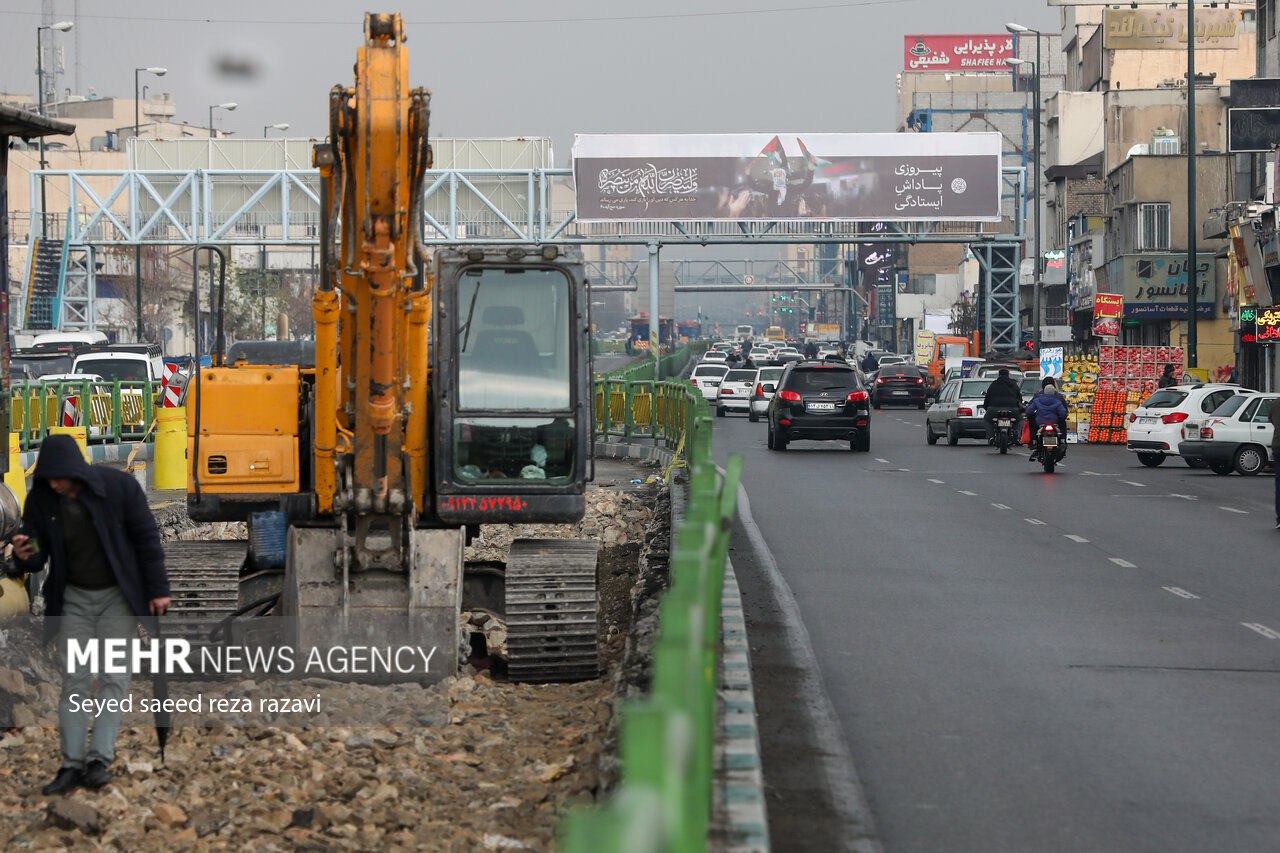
(740, 821)
(739, 794)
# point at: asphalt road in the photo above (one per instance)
(1088, 660)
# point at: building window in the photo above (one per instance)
(1153, 227)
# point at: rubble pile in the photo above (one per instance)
(469, 764)
(503, 763)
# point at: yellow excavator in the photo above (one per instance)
(450, 389)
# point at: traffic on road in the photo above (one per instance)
(1013, 656)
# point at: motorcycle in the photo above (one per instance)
(1051, 446)
(1003, 436)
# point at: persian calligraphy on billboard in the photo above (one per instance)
(1108, 308)
(766, 177)
(957, 53)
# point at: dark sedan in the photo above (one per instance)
(898, 384)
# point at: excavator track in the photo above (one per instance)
(551, 607)
(204, 580)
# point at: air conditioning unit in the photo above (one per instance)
(1166, 142)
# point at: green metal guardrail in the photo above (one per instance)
(114, 412)
(627, 405)
(667, 739)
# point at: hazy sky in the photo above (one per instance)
(511, 68)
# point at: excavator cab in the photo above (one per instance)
(511, 386)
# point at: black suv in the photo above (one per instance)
(820, 401)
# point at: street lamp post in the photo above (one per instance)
(62, 27)
(282, 126)
(1036, 285)
(137, 247)
(1193, 266)
(228, 106)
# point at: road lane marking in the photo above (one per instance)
(1096, 474)
(1124, 564)
(1233, 509)
(1180, 592)
(966, 492)
(1033, 521)
(1001, 506)
(882, 461)
(1262, 629)
(1075, 537)
(939, 482)
(1132, 483)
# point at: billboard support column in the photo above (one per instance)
(655, 322)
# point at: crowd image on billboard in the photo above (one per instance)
(775, 185)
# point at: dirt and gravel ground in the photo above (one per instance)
(478, 764)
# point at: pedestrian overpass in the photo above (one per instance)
(114, 209)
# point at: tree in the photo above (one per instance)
(964, 316)
(166, 291)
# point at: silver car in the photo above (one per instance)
(958, 411)
(766, 386)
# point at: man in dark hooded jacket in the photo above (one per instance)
(1003, 393)
(106, 571)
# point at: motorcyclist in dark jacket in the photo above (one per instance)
(1046, 406)
(1003, 393)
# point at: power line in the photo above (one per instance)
(481, 22)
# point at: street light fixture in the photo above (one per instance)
(228, 106)
(62, 27)
(282, 126)
(1039, 256)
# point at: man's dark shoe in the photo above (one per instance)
(96, 775)
(67, 779)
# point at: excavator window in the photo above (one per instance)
(515, 391)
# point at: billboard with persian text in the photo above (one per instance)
(957, 53)
(895, 177)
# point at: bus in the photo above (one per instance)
(775, 333)
(744, 332)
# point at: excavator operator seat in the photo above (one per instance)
(503, 346)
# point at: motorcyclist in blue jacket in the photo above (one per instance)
(1046, 406)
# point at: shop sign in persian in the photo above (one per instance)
(1267, 323)
(1108, 310)
(1166, 29)
(957, 53)
(1155, 286)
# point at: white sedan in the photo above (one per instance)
(706, 378)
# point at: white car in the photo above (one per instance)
(1156, 427)
(713, 356)
(734, 393)
(706, 378)
(766, 386)
(1236, 437)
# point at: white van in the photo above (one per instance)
(75, 341)
(122, 362)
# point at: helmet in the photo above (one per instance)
(1048, 380)
(1004, 371)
